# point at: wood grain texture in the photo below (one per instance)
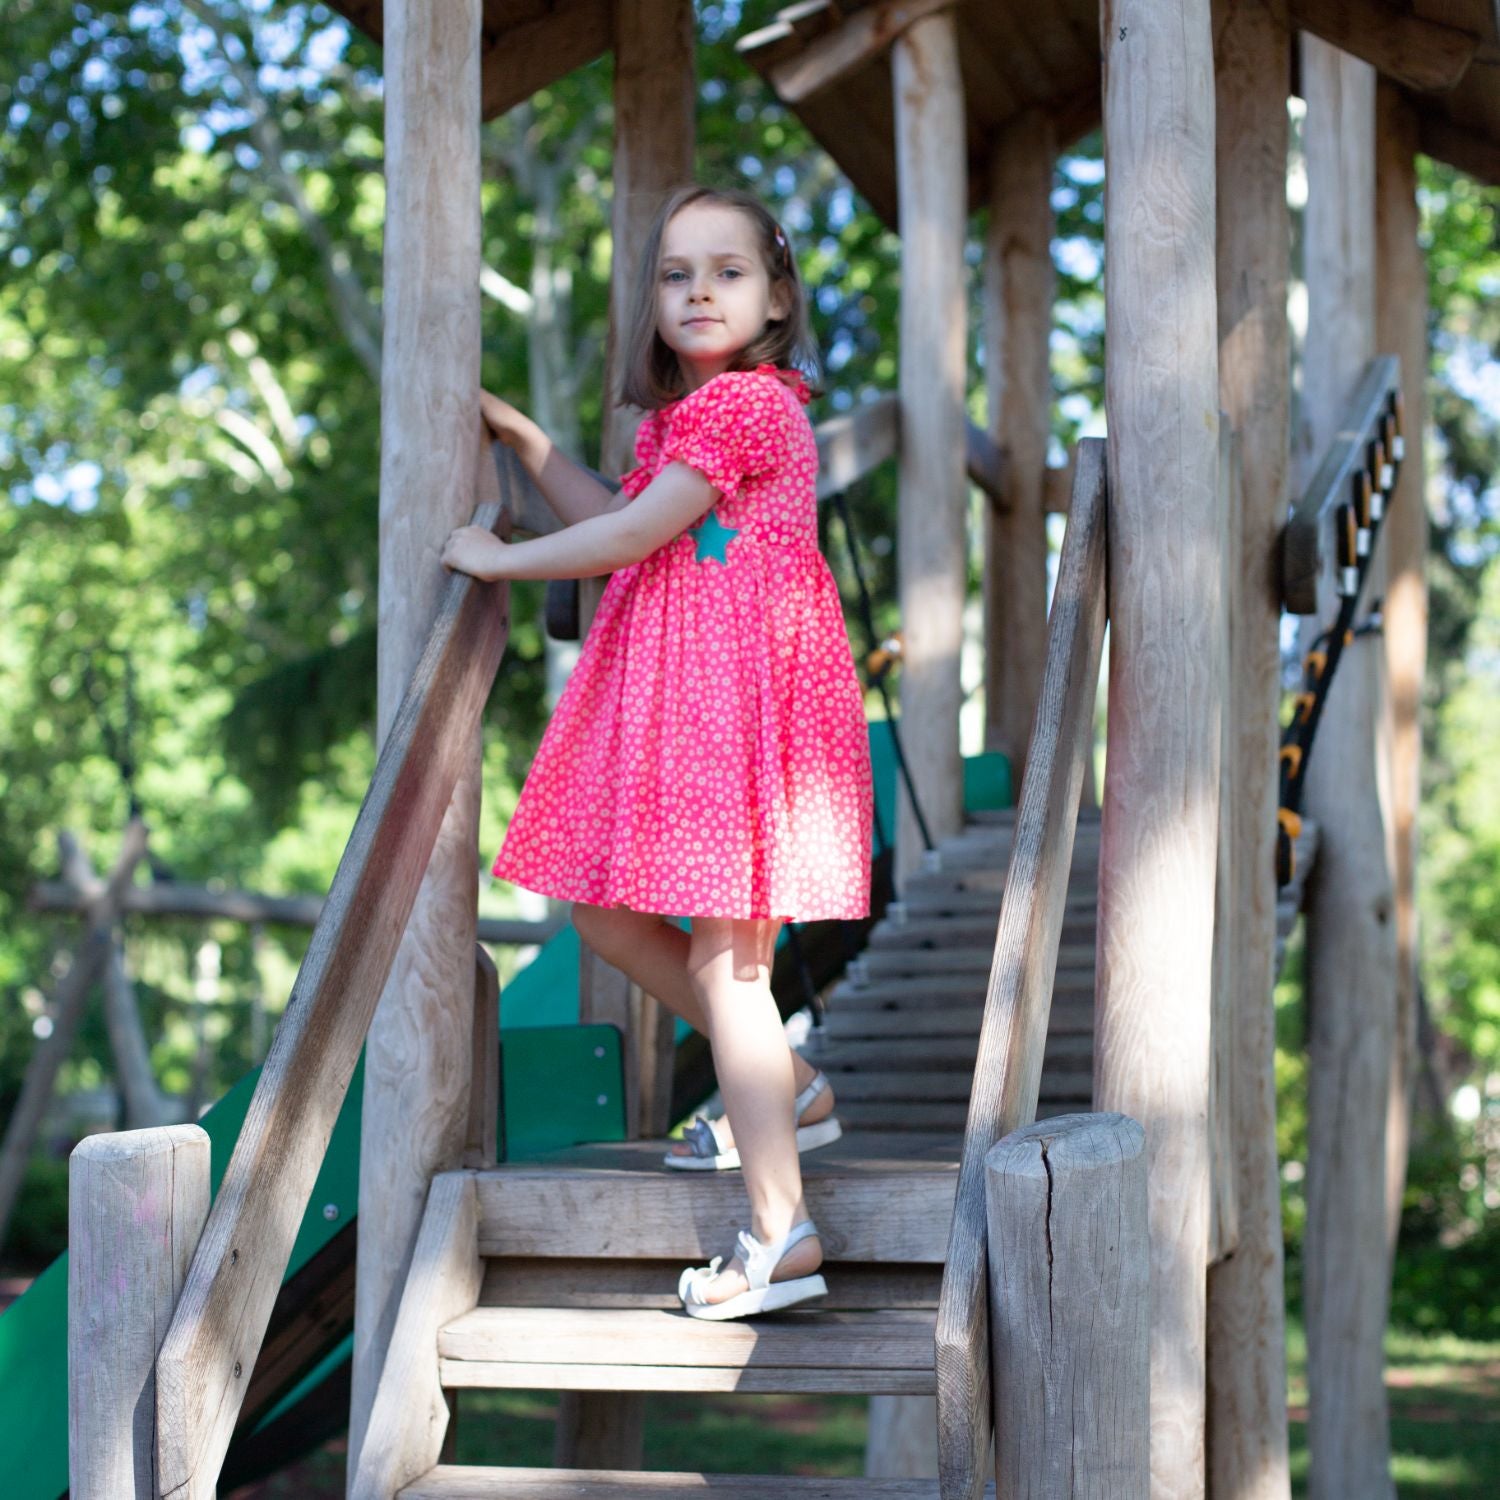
(481, 1142)
(1070, 1284)
(462, 1483)
(847, 47)
(1350, 964)
(136, 1206)
(539, 1212)
(1421, 53)
(540, 50)
(932, 523)
(1012, 1039)
(1019, 281)
(435, 465)
(232, 1286)
(1401, 327)
(409, 1416)
(1161, 793)
(1247, 1428)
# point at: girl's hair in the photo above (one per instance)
(651, 376)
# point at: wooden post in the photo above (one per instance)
(1401, 329)
(415, 1113)
(1159, 834)
(1247, 1430)
(1018, 291)
(1070, 1302)
(136, 1206)
(1351, 951)
(931, 529)
(655, 94)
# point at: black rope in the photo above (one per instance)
(1358, 521)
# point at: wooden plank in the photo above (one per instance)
(1351, 953)
(1156, 868)
(1019, 281)
(464, 1483)
(563, 1282)
(852, 445)
(847, 48)
(230, 1290)
(933, 503)
(1401, 325)
(602, 1379)
(136, 1205)
(432, 475)
(409, 1416)
(1070, 1284)
(1247, 1428)
(1223, 1218)
(537, 52)
(1013, 1037)
(798, 1339)
(481, 1146)
(1422, 54)
(533, 1211)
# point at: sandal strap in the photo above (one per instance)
(811, 1092)
(702, 1139)
(761, 1260)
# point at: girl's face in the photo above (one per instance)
(713, 294)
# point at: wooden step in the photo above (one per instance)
(881, 963)
(936, 1085)
(458, 1482)
(933, 992)
(972, 930)
(852, 1024)
(837, 1058)
(953, 900)
(874, 1199)
(651, 1349)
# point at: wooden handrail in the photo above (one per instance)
(1013, 1034)
(216, 1332)
(1310, 538)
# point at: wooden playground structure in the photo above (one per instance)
(1042, 962)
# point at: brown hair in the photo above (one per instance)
(651, 377)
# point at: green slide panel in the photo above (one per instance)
(540, 1042)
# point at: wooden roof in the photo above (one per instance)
(830, 61)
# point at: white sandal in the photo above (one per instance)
(709, 1154)
(760, 1261)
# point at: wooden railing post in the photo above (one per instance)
(1070, 1272)
(136, 1206)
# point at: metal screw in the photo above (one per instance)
(237, 1368)
(598, 1051)
(330, 1211)
(602, 1099)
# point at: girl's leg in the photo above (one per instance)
(730, 966)
(654, 953)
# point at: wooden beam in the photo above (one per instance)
(409, 1418)
(850, 446)
(1019, 281)
(525, 58)
(1070, 1301)
(432, 473)
(1422, 54)
(985, 463)
(1247, 1426)
(1401, 326)
(1465, 149)
(172, 899)
(136, 1206)
(1023, 971)
(1350, 964)
(1159, 831)
(852, 44)
(932, 522)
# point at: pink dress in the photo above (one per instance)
(708, 756)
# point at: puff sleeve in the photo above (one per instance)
(731, 429)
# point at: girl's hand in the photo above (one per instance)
(508, 424)
(475, 551)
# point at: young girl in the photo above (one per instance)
(708, 756)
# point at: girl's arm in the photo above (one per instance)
(572, 492)
(677, 498)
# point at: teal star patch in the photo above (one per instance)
(712, 537)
